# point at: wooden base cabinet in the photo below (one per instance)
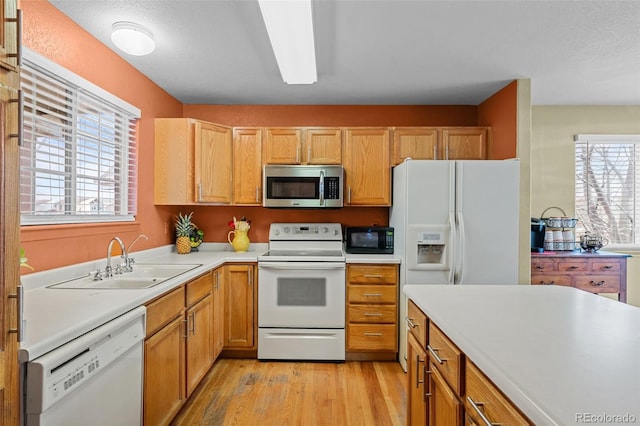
(444, 387)
(372, 310)
(218, 312)
(240, 292)
(178, 348)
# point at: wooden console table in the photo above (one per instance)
(599, 272)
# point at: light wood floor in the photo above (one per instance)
(250, 392)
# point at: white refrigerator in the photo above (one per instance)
(455, 222)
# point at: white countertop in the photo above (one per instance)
(53, 317)
(556, 352)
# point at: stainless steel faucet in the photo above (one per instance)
(129, 261)
(109, 270)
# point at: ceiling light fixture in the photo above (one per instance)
(132, 38)
(290, 28)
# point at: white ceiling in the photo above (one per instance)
(388, 52)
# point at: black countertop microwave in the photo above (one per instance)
(368, 240)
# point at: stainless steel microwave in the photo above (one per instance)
(306, 186)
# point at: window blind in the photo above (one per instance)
(78, 155)
(607, 187)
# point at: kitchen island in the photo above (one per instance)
(560, 355)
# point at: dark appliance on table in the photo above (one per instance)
(537, 235)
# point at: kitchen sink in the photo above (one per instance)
(142, 276)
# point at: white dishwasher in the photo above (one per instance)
(94, 379)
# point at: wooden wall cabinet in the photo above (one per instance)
(282, 145)
(240, 290)
(178, 350)
(192, 162)
(247, 166)
(322, 146)
(372, 310)
(419, 143)
(464, 143)
(600, 272)
(367, 167)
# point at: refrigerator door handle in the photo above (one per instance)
(452, 243)
(460, 248)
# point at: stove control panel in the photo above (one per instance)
(305, 231)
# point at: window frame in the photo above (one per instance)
(85, 93)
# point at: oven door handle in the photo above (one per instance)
(293, 266)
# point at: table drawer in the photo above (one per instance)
(549, 279)
(603, 267)
(374, 337)
(483, 397)
(372, 313)
(543, 265)
(573, 265)
(446, 357)
(161, 311)
(372, 274)
(372, 294)
(598, 283)
(417, 323)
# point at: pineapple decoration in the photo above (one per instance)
(184, 227)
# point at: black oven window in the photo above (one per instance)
(364, 239)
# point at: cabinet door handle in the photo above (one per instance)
(309, 153)
(250, 276)
(349, 196)
(298, 154)
(199, 192)
(427, 381)
(435, 355)
(185, 322)
(410, 322)
(597, 284)
(193, 323)
(19, 296)
(257, 194)
(418, 381)
(18, 21)
(435, 155)
(20, 101)
(476, 407)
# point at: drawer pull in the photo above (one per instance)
(607, 267)
(372, 314)
(435, 355)
(373, 276)
(597, 284)
(476, 407)
(549, 283)
(410, 322)
(572, 268)
(540, 267)
(370, 334)
(372, 294)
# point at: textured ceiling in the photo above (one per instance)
(387, 51)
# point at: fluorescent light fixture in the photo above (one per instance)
(132, 38)
(290, 28)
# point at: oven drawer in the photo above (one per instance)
(372, 313)
(372, 294)
(374, 337)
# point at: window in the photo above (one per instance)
(608, 187)
(78, 157)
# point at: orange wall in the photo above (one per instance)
(500, 112)
(50, 33)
